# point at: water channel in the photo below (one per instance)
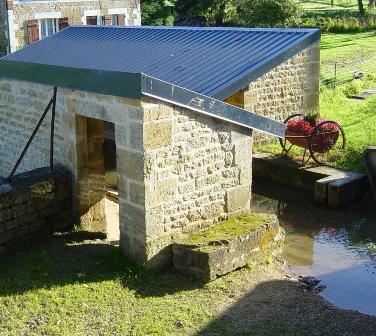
(336, 247)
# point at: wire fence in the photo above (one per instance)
(343, 71)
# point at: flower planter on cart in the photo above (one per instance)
(325, 138)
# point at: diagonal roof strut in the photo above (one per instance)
(209, 106)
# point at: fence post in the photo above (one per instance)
(335, 74)
(53, 128)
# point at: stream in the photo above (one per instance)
(336, 247)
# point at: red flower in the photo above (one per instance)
(303, 126)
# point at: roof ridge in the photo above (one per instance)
(244, 29)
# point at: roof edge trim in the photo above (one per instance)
(212, 107)
(97, 81)
(269, 64)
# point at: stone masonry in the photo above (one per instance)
(36, 201)
(14, 16)
(178, 170)
(290, 88)
(183, 171)
(230, 245)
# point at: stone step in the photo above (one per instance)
(364, 95)
(332, 187)
(229, 245)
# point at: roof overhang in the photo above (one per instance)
(134, 85)
(34, 64)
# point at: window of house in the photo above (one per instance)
(106, 20)
(48, 27)
(118, 19)
(114, 20)
(93, 20)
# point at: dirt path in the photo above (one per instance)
(270, 303)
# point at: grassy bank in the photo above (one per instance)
(325, 5)
(358, 121)
(351, 52)
(77, 285)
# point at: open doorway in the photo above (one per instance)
(112, 200)
(96, 162)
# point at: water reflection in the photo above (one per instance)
(338, 247)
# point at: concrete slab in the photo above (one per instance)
(332, 187)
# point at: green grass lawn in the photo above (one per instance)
(326, 4)
(353, 52)
(76, 284)
(358, 120)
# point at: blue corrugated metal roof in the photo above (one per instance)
(215, 62)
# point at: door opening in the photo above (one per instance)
(112, 200)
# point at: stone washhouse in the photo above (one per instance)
(185, 104)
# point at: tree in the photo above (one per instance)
(269, 13)
(371, 4)
(361, 7)
(157, 12)
(218, 12)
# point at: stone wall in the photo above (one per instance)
(36, 201)
(290, 88)
(76, 11)
(177, 170)
(183, 171)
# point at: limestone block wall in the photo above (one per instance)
(76, 11)
(78, 137)
(188, 171)
(37, 201)
(290, 88)
(178, 170)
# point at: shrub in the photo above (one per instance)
(269, 13)
(339, 21)
(354, 87)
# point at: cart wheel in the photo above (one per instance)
(327, 143)
(283, 142)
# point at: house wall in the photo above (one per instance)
(3, 28)
(178, 170)
(21, 11)
(290, 88)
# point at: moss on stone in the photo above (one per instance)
(228, 229)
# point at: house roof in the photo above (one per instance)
(213, 62)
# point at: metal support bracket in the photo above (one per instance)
(52, 103)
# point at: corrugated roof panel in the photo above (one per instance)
(212, 61)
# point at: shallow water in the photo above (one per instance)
(336, 247)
